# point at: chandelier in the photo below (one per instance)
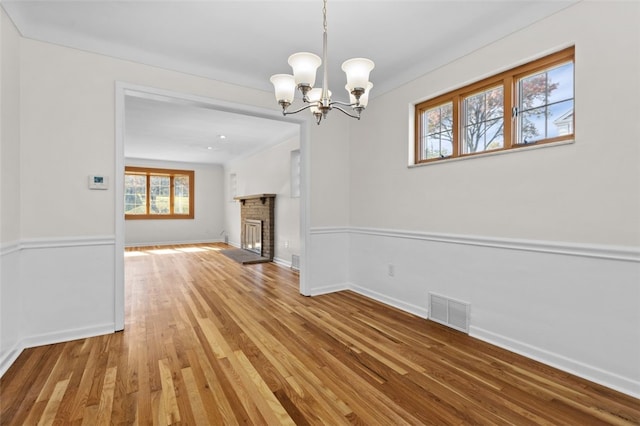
(318, 100)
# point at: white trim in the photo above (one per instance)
(406, 307)
(57, 242)
(51, 338)
(330, 230)
(604, 378)
(60, 242)
(599, 251)
(620, 253)
(168, 243)
(8, 248)
(333, 288)
(7, 360)
(118, 193)
(67, 335)
(281, 262)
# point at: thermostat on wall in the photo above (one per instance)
(98, 182)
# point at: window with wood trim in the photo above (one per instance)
(530, 104)
(158, 193)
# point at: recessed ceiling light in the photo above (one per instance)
(222, 137)
(209, 147)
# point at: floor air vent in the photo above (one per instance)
(449, 312)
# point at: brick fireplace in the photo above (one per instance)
(257, 223)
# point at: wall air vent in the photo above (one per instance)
(449, 312)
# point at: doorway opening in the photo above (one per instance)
(127, 92)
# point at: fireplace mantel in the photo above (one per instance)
(263, 197)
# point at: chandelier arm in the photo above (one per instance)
(285, 112)
(344, 104)
(347, 112)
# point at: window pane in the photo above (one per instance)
(437, 147)
(532, 125)
(560, 121)
(135, 194)
(181, 195)
(561, 79)
(545, 104)
(160, 188)
(533, 91)
(433, 121)
(494, 134)
(483, 121)
(437, 142)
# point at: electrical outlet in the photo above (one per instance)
(391, 270)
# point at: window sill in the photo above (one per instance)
(493, 153)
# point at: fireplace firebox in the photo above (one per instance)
(252, 236)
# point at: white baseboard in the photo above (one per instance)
(282, 262)
(403, 306)
(51, 338)
(588, 372)
(169, 243)
(318, 291)
(67, 335)
(8, 358)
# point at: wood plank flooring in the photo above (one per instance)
(211, 342)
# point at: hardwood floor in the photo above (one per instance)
(211, 342)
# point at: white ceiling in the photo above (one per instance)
(170, 129)
(245, 42)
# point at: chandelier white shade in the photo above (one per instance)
(357, 70)
(318, 100)
(304, 65)
(284, 86)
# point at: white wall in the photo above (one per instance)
(10, 291)
(68, 131)
(544, 243)
(267, 172)
(328, 246)
(10, 130)
(584, 192)
(208, 222)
